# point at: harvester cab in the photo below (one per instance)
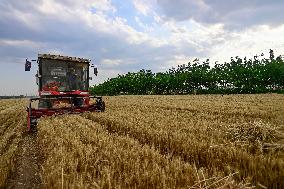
(63, 84)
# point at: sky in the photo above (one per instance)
(129, 35)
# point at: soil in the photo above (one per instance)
(26, 173)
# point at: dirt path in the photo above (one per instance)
(27, 165)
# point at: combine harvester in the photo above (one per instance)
(63, 84)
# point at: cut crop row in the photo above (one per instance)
(82, 154)
(215, 144)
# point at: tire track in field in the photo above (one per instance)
(232, 112)
(163, 145)
(201, 156)
(113, 127)
(26, 173)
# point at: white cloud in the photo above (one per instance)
(22, 43)
(234, 14)
(145, 27)
(103, 5)
(97, 30)
(143, 6)
(251, 42)
(111, 62)
(176, 60)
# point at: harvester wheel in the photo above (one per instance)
(31, 122)
(101, 105)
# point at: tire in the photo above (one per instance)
(33, 127)
(101, 105)
(31, 123)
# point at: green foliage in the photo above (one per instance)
(258, 75)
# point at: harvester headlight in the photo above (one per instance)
(84, 93)
(45, 93)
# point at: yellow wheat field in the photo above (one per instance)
(202, 141)
(12, 126)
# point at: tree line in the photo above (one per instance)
(240, 75)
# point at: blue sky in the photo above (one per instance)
(122, 36)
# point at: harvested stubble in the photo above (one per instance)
(12, 120)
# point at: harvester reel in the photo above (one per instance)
(44, 103)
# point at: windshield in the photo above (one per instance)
(59, 75)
